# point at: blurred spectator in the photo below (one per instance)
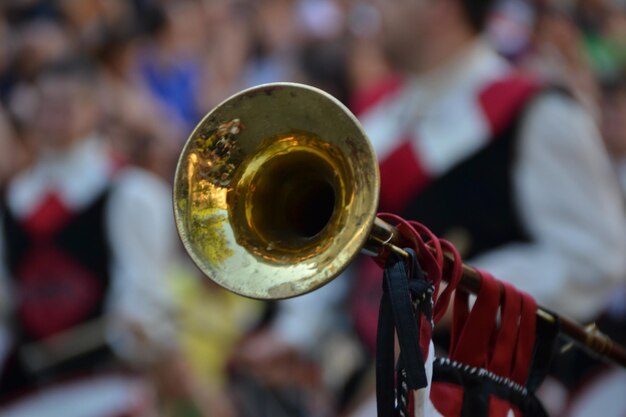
(614, 123)
(84, 246)
(510, 170)
(604, 28)
(40, 41)
(582, 385)
(137, 126)
(5, 55)
(20, 11)
(558, 57)
(324, 65)
(170, 65)
(370, 75)
(230, 39)
(320, 19)
(7, 146)
(510, 27)
(277, 35)
(211, 322)
(33, 44)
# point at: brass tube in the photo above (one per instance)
(385, 237)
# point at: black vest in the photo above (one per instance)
(473, 204)
(61, 281)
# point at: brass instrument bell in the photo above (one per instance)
(276, 191)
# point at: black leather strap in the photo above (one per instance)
(406, 296)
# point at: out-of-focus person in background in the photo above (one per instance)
(556, 55)
(137, 125)
(370, 74)
(8, 150)
(603, 26)
(581, 46)
(520, 181)
(509, 169)
(84, 245)
(170, 64)
(613, 107)
(592, 386)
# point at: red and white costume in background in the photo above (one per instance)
(563, 187)
(566, 193)
(138, 225)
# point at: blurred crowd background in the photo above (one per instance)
(160, 65)
(163, 64)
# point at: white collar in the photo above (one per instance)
(434, 96)
(77, 175)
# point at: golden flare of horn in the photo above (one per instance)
(276, 191)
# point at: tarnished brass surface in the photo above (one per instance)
(276, 191)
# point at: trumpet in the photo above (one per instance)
(275, 194)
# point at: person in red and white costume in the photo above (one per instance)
(557, 231)
(513, 172)
(84, 244)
